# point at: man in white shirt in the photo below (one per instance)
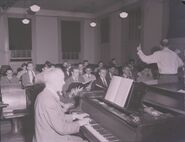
(167, 61)
(28, 78)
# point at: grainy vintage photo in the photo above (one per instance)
(92, 71)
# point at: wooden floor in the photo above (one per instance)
(24, 134)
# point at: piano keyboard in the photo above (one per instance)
(100, 133)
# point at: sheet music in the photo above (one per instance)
(118, 90)
(113, 87)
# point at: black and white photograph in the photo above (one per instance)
(92, 70)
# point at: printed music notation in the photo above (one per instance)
(118, 90)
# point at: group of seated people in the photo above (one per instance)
(100, 75)
(51, 120)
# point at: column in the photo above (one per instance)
(154, 18)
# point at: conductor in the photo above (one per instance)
(167, 61)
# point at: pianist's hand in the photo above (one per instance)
(84, 121)
(79, 116)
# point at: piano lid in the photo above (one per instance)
(174, 87)
(164, 97)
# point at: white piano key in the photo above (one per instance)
(96, 133)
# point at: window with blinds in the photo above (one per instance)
(20, 40)
(71, 39)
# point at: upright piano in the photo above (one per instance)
(151, 114)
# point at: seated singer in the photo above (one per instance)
(51, 122)
(101, 82)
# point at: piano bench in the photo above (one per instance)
(15, 118)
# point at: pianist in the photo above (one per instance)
(51, 122)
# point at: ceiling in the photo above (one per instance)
(87, 6)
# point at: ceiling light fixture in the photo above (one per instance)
(93, 24)
(25, 21)
(123, 14)
(35, 8)
(183, 1)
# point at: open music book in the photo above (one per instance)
(74, 85)
(118, 90)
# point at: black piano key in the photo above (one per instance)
(110, 136)
(116, 140)
(97, 127)
(104, 132)
(93, 122)
(113, 139)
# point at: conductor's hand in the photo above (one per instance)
(139, 47)
(80, 116)
(75, 91)
(84, 121)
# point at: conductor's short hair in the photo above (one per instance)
(164, 42)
